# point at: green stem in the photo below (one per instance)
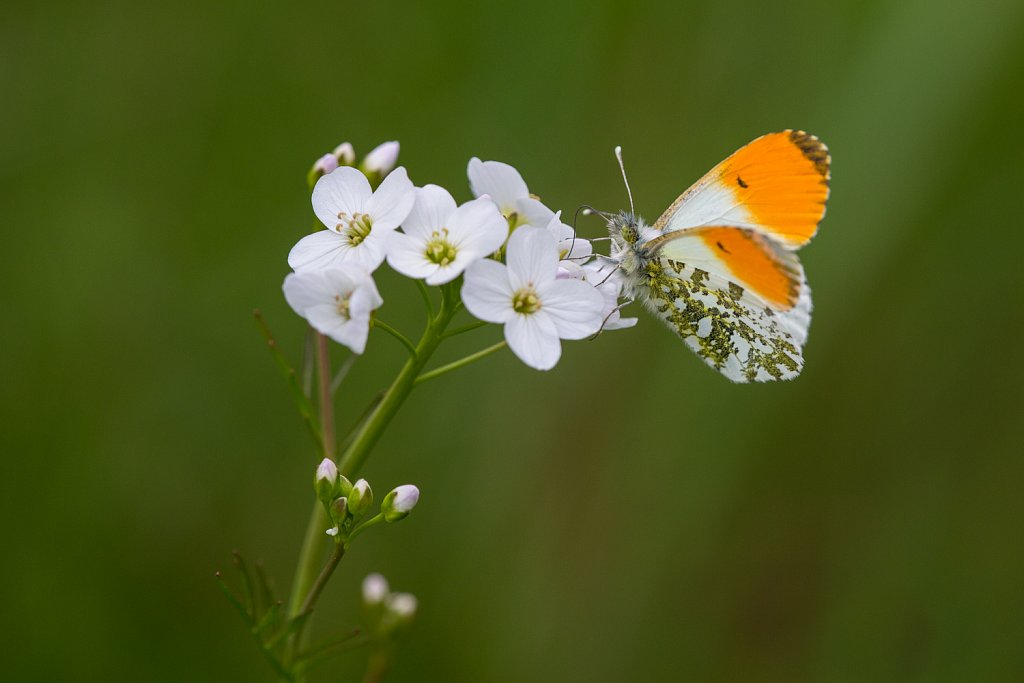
(359, 448)
(323, 578)
(466, 328)
(366, 438)
(376, 519)
(455, 365)
(377, 322)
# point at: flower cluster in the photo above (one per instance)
(521, 266)
(347, 503)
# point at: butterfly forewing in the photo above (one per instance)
(776, 185)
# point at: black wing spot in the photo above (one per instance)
(722, 247)
(741, 183)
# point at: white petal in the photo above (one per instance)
(477, 226)
(319, 250)
(532, 212)
(486, 291)
(534, 338)
(382, 158)
(617, 322)
(430, 211)
(575, 249)
(343, 190)
(532, 258)
(502, 182)
(369, 253)
(407, 255)
(393, 200)
(303, 290)
(576, 308)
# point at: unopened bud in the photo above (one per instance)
(345, 154)
(375, 589)
(382, 158)
(360, 498)
(403, 606)
(339, 510)
(399, 502)
(325, 481)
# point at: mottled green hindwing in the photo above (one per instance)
(735, 335)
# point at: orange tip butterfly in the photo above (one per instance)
(719, 266)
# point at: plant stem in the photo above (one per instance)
(369, 432)
(366, 438)
(323, 356)
(321, 581)
(455, 365)
(377, 322)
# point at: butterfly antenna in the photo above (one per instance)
(622, 167)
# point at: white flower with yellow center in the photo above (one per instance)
(506, 188)
(440, 240)
(359, 221)
(336, 302)
(536, 308)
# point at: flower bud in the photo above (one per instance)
(402, 606)
(399, 502)
(325, 481)
(382, 158)
(344, 486)
(360, 498)
(338, 510)
(375, 589)
(345, 154)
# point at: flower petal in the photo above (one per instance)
(478, 227)
(393, 200)
(532, 212)
(575, 308)
(430, 211)
(486, 291)
(304, 290)
(532, 258)
(319, 250)
(534, 338)
(343, 190)
(407, 255)
(501, 181)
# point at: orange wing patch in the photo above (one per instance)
(753, 261)
(781, 179)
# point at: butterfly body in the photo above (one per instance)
(719, 268)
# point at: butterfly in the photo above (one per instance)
(719, 266)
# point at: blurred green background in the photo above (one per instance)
(628, 516)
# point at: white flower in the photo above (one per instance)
(506, 188)
(336, 302)
(440, 240)
(375, 589)
(382, 158)
(536, 308)
(359, 221)
(606, 279)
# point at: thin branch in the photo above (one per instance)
(465, 328)
(455, 365)
(410, 347)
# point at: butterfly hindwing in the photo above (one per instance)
(735, 298)
(776, 185)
